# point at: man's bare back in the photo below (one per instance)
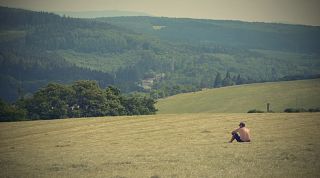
(244, 134)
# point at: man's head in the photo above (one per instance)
(242, 124)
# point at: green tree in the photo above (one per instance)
(11, 113)
(51, 102)
(94, 101)
(138, 105)
(218, 81)
(227, 81)
(114, 101)
(90, 98)
(239, 80)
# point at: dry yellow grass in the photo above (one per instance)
(185, 145)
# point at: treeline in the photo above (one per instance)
(299, 77)
(11, 17)
(229, 80)
(162, 89)
(81, 99)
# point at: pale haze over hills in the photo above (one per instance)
(284, 11)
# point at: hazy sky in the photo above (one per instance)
(287, 11)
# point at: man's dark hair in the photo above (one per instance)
(242, 124)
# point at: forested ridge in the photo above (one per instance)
(238, 34)
(157, 56)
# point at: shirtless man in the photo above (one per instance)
(244, 134)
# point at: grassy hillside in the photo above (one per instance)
(281, 95)
(186, 145)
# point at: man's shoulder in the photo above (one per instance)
(244, 128)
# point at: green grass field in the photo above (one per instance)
(176, 145)
(242, 98)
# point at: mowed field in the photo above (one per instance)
(177, 145)
(242, 98)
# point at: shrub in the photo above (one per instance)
(295, 110)
(11, 113)
(314, 110)
(255, 111)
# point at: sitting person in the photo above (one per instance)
(244, 134)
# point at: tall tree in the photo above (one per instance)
(50, 102)
(218, 81)
(11, 113)
(227, 81)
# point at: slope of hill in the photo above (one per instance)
(114, 51)
(30, 45)
(249, 35)
(185, 145)
(280, 95)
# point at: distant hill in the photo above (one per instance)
(238, 34)
(40, 47)
(240, 99)
(95, 14)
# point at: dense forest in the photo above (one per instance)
(237, 34)
(157, 56)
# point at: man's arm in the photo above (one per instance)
(235, 131)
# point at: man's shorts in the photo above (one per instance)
(237, 137)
